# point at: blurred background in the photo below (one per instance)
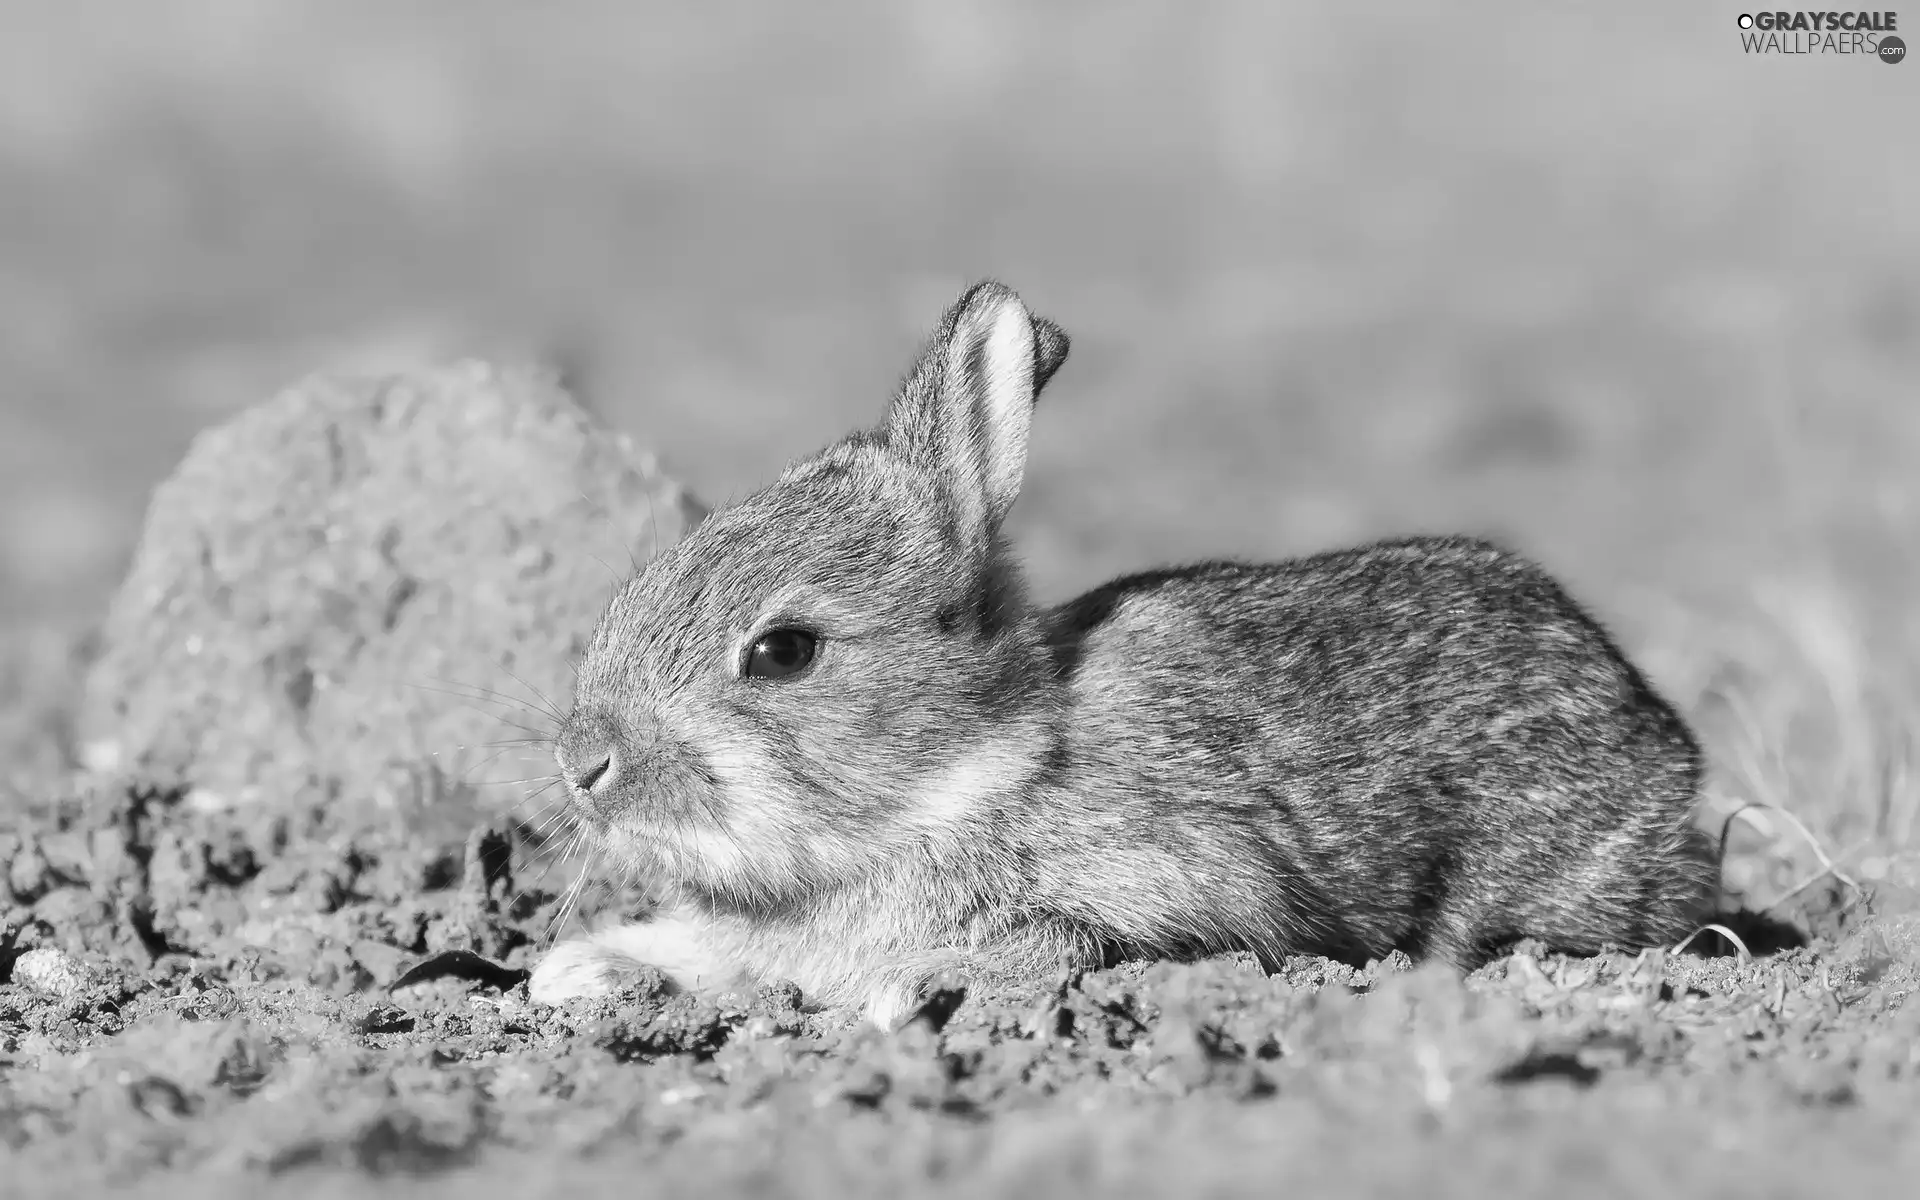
(1588, 278)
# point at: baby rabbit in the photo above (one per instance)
(832, 727)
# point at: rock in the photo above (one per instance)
(361, 589)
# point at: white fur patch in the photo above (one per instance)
(715, 851)
(744, 778)
(984, 771)
(766, 816)
(758, 838)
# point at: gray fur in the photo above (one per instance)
(1421, 744)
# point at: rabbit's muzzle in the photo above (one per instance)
(604, 761)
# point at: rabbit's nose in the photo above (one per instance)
(588, 753)
(583, 778)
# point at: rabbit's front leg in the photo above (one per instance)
(604, 961)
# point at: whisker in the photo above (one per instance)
(547, 704)
(606, 515)
(546, 780)
(653, 532)
(501, 752)
(560, 859)
(525, 743)
(572, 899)
(536, 834)
(533, 734)
(473, 691)
(543, 819)
(548, 820)
(618, 578)
(537, 827)
(526, 799)
(557, 801)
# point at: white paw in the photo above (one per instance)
(609, 958)
(889, 1007)
(674, 945)
(580, 969)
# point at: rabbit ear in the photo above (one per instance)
(964, 412)
(1050, 345)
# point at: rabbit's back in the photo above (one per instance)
(1428, 742)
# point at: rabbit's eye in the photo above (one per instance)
(780, 653)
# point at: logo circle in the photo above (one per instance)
(1746, 21)
(1892, 49)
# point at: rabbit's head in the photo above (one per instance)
(842, 666)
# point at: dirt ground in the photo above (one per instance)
(203, 1001)
(1593, 282)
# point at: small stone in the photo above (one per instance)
(1397, 962)
(51, 972)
